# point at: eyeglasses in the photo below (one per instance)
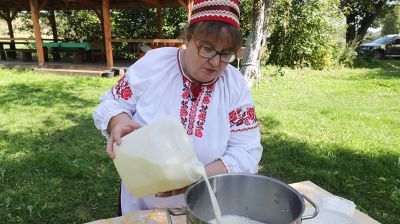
(208, 52)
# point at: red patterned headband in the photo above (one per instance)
(216, 10)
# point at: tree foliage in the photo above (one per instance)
(391, 22)
(246, 7)
(301, 32)
(71, 24)
(142, 23)
(360, 15)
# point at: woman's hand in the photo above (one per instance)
(172, 193)
(214, 168)
(119, 126)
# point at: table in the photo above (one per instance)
(76, 45)
(77, 48)
(67, 45)
(315, 193)
(308, 188)
(3, 54)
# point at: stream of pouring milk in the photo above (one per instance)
(214, 203)
(226, 219)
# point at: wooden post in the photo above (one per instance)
(107, 33)
(190, 7)
(53, 25)
(36, 27)
(99, 14)
(9, 19)
(52, 20)
(159, 22)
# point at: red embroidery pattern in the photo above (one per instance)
(245, 129)
(203, 110)
(185, 101)
(241, 116)
(122, 89)
(192, 116)
(188, 116)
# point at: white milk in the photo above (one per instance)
(234, 219)
(214, 202)
(157, 158)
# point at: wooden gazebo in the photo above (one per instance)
(101, 7)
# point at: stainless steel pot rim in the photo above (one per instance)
(189, 210)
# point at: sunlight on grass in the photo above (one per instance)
(339, 128)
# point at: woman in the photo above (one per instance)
(199, 87)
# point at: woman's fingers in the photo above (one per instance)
(115, 137)
(171, 193)
(110, 150)
(164, 194)
(117, 133)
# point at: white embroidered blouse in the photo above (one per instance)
(220, 121)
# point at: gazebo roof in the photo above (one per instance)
(89, 4)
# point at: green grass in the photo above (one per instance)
(339, 129)
(53, 167)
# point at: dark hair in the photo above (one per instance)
(216, 31)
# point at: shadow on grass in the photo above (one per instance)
(63, 177)
(385, 69)
(370, 181)
(54, 174)
(42, 94)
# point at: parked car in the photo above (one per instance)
(386, 46)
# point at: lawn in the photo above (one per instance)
(339, 129)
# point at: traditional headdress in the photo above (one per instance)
(217, 10)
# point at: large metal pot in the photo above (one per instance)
(257, 197)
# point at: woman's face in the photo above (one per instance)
(200, 68)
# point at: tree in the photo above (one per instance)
(9, 16)
(250, 66)
(360, 14)
(391, 22)
(302, 33)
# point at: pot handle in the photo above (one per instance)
(175, 212)
(315, 207)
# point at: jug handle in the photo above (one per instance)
(316, 209)
(175, 212)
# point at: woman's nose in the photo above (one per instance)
(215, 60)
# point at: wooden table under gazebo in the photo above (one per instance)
(102, 8)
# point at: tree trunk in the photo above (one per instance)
(251, 60)
(53, 25)
(351, 28)
(99, 14)
(368, 20)
(9, 19)
(52, 20)
(354, 35)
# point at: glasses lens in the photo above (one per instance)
(228, 58)
(207, 52)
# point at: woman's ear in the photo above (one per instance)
(186, 36)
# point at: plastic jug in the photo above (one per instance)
(157, 158)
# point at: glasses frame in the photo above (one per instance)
(199, 46)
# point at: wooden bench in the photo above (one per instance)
(26, 53)
(77, 54)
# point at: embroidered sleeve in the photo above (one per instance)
(122, 90)
(244, 149)
(243, 119)
(120, 99)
